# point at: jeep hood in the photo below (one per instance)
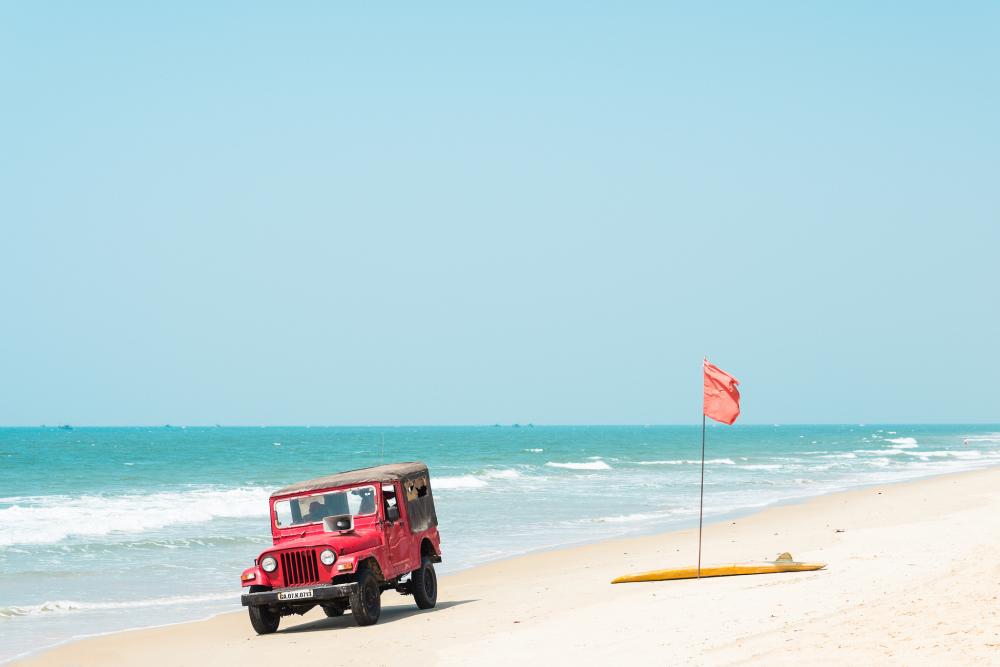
(342, 543)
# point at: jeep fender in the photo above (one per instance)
(254, 576)
(360, 557)
(427, 549)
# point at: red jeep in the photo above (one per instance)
(339, 541)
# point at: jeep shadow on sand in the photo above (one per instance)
(341, 540)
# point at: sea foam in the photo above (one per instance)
(967, 454)
(64, 606)
(588, 465)
(676, 462)
(51, 519)
(477, 481)
(506, 473)
(458, 482)
(632, 518)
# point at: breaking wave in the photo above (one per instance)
(506, 473)
(903, 442)
(65, 606)
(967, 454)
(588, 465)
(458, 482)
(51, 519)
(476, 481)
(677, 462)
(633, 518)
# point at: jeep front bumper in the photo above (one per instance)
(320, 593)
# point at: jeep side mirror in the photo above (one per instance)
(392, 514)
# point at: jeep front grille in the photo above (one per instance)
(299, 567)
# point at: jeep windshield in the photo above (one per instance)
(359, 501)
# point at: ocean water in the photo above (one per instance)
(103, 529)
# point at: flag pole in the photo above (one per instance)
(701, 502)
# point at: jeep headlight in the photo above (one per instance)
(327, 557)
(268, 564)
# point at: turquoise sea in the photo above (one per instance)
(103, 529)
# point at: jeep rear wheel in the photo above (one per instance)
(366, 601)
(425, 585)
(263, 620)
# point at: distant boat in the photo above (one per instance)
(66, 427)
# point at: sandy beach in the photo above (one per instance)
(912, 578)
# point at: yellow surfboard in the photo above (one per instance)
(784, 563)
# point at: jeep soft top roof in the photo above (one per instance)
(386, 473)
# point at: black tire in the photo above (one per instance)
(263, 620)
(366, 601)
(333, 610)
(424, 583)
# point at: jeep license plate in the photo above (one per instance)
(295, 595)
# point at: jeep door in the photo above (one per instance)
(397, 533)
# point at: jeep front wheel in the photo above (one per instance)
(425, 585)
(366, 601)
(263, 620)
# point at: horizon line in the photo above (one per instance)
(63, 426)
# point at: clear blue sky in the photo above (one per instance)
(357, 213)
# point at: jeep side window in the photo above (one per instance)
(388, 497)
(390, 503)
(419, 506)
(416, 488)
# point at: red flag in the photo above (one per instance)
(722, 398)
